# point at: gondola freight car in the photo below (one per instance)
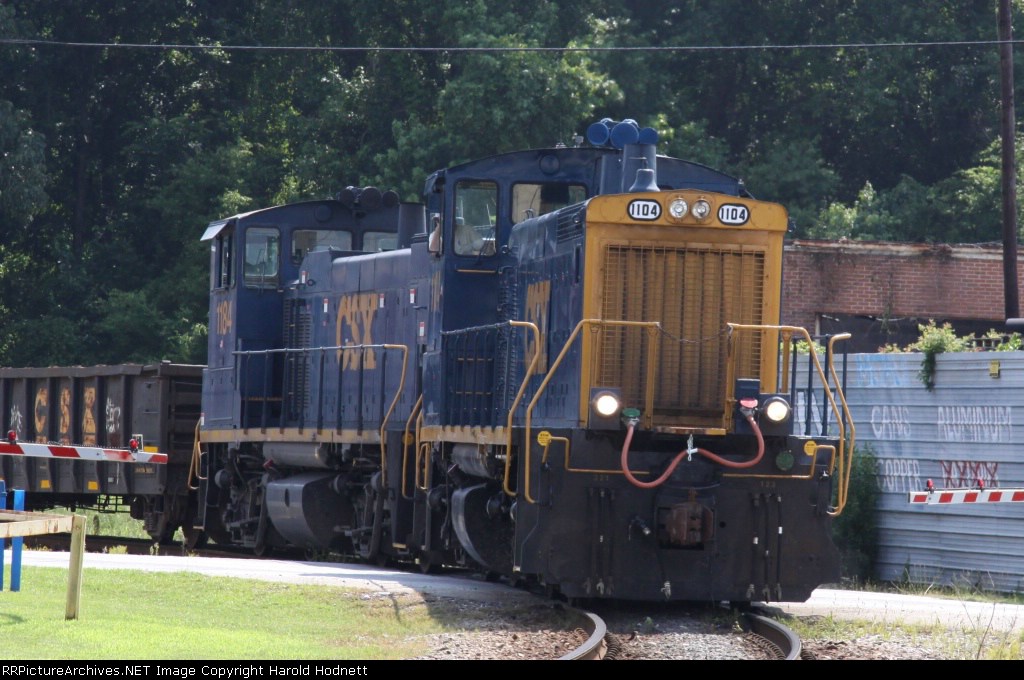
(103, 437)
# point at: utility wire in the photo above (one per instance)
(671, 48)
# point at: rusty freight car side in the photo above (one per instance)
(103, 437)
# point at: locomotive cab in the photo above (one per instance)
(264, 268)
(253, 258)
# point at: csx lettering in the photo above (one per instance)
(223, 317)
(89, 417)
(64, 430)
(538, 299)
(42, 409)
(355, 327)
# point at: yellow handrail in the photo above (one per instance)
(413, 414)
(515, 403)
(844, 476)
(648, 405)
(384, 421)
(422, 453)
(194, 464)
(844, 460)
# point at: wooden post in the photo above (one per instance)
(75, 567)
(18, 523)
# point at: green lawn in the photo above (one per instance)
(128, 615)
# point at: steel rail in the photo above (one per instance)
(596, 646)
(781, 637)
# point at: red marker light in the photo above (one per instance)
(12, 436)
(930, 486)
(134, 446)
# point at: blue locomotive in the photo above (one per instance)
(564, 366)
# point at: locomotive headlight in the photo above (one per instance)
(777, 410)
(606, 404)
(701, 209)
(605, 407)
(677, 208)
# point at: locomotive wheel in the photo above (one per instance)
(194, 538)
(164, 536)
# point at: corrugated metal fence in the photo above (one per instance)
(959, 433)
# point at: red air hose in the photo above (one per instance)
(679, 457)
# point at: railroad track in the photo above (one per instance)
(598, 643)
(768, 634)
(778, 640)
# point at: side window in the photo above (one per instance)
(262, 257)
(222, 275)
(379, 241)
(534, 200)
(305, 240)
(476, 214)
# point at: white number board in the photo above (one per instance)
(642, 209)
(733, 213)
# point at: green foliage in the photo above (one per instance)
(935, 340)
(855, 531)
(793, 168)
(803, 347)
(1001, 342)
(115, 159)
(22, 170)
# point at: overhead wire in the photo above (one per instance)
(455, 49)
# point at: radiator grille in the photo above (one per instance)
(569, 223)
(694, 292)
(298, 332)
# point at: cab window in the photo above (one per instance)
(262, 256)
(476, 212)
(379, 241)
(534, 200)
(221, 273)
(305, 240)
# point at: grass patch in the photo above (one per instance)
(110, 523)
(139, 615)
(964, 589)
(977, 640)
